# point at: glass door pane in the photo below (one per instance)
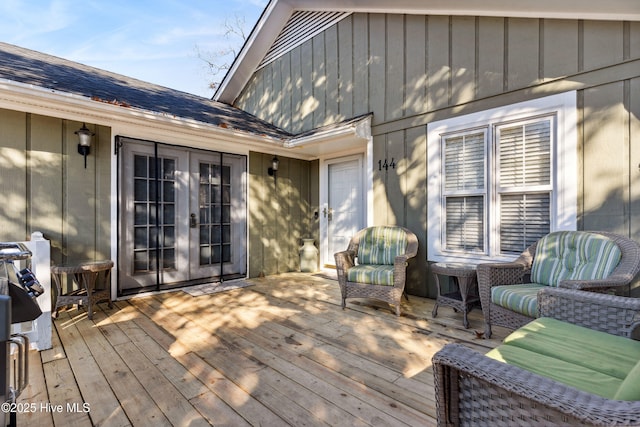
(155, 214)
(214, 203)
(154, 242)
(219, 239)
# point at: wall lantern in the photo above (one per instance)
(275, 163)
(84, 142)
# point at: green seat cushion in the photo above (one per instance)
(381, 245)
(630, 387)
(522, 299)
(371, 274)
(558, 370)
(574, 255)
(599, 351)
(592, 361)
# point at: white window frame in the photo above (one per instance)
(564, 171)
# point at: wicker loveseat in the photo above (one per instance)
(380, 271)
(590, 261)
(575, 365)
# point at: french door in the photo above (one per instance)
(182, 216)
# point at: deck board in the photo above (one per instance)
(280, 352)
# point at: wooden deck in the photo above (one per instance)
(280, 352)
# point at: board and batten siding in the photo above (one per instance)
(410, 70)
(46, 188)
(281, 213)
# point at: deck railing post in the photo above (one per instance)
(41, 266)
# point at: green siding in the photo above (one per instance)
(410, 70)
(13, 176)
(47, 189)
(280, 213)
(605, 159)
(490, 57)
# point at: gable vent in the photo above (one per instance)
(302, 26)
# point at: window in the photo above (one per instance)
(501, 179)
(464, 191)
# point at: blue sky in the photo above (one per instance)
(152, 40)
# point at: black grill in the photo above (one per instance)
(17, 304)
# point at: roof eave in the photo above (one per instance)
(35, 99)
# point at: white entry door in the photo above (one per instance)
(343, 212)
(182, 216)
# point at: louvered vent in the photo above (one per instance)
(301, 27)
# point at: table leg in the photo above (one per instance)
(88, 282)
(434, 312)
(465, 284)
(56, 281)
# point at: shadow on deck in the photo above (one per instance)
(279, 352)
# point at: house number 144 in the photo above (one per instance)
(386, 165)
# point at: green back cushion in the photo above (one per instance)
(574, 255)
(381, 245)
(592, 361)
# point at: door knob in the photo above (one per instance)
(328, 213)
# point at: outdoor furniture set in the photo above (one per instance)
(575, 365)
(574, 357)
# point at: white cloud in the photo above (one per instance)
(23, 20)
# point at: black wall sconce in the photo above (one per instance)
(84, 142)
(275, 163)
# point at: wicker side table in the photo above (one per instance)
(90, 290)
(463, 298)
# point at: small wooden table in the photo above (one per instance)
(462, 298)
(89, 290)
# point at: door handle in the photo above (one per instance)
(328, 213)
(193, 222)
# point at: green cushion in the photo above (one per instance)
(522, 299)
(630, 387)
(381, 245)
(574, 255)
(558, 370)
(606, 353)
(592, 361)
(371, 274)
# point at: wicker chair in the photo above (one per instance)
(513, 273)
(380, 272)
(473, 389)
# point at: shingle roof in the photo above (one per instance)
(50, 72)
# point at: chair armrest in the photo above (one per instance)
(400, 271)
(597, 285)
(502, 391)
(601, 312)
(402, 260)
(412, 246)
(496, 274)
(345, 259)
(505, 273)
